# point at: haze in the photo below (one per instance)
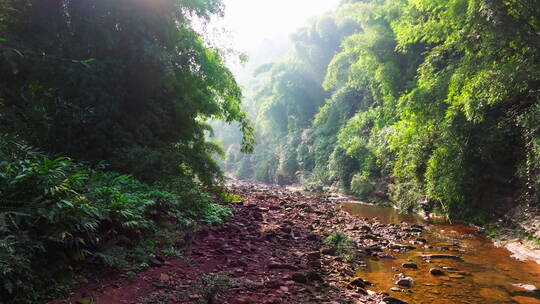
(251, 22)
(261, 28)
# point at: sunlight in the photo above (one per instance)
(254, 21)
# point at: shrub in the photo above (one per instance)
(362, 185)
(341, 244)
(57, 214)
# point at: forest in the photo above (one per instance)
(103, 120)
(120, 124)
(419, 104)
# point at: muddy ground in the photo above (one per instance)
(271, 251)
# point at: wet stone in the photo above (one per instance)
(442, 256)
(405, 282)
(456, 276)
(436, 272)
(392, 300)
(358, 282)
(397, 289)
(383, 255)
(410, 265)
(401, 247)
(525, 287)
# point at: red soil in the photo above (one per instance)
(271, 247)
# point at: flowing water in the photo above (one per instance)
(486, 274)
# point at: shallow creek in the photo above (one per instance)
(486, 274)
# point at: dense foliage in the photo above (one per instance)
(58, 215)
(129, 82)
(103, 87)
(420, 102)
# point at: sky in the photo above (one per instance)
(261, 29)
(252, 21)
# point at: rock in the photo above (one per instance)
(328, 251)
(405, 282)
(314, 276)
(299, 278)
(369, 237)
(286, 229)
(373, 248)
(436, 272)
(362, 291)
(358, 282)
(281, 266)
(410, 265)
(392, 300)
(455, 276)
(156, 262)
(371, 292)
(312, 237)
(383, 255)
(397, 289)
(412, 229)
(365, 228)
(163, 277)
(159, 284)
(401, 247)
(441, 256)
(525, 287)
(315, 255)
(525, 300)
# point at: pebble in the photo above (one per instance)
(405, 282)
(410, 265)
(436, 272)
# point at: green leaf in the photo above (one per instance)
(87, 62)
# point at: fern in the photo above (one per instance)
(57, 214)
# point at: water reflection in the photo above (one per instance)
(486, 274)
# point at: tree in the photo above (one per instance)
(107, 80)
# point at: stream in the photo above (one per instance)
(486, 274)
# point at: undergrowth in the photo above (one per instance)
(58, 216)
(230, 197)
(343, 246)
